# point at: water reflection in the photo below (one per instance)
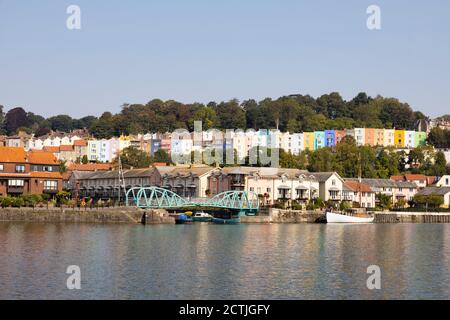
(203, 261)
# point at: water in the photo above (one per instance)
(303, 261)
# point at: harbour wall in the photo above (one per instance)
(411, 217)
(100, 215)
(133, 215)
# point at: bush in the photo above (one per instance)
(6, 202)
(17, 202)
(31, 200)
(62, 197)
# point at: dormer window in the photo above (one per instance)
(20, 168)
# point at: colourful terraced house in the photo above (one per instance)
(308, 140)
(319, 139)
(399, 139)
(420, 138)
(330, 138)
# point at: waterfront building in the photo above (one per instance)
(319, 139)
(270, 184)
(330, 138)
(443, 192)
(396, 190)
(358, 194)
(399, 140)
(330, 185)
(32, 172)
(444, 181)
(420, 180)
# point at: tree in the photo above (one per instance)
(133, 158)
(231, 115)
(161, 156)
(84, 159)
(15, 118)
(384, 201)
(439, 138)
(2, 120)
(61, 122)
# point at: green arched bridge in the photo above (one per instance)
(159, 198)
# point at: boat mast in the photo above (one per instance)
(121, 179)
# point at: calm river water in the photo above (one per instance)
(303, 261)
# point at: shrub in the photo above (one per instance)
(6, 202)
(17, 202)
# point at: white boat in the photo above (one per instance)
(342, 218)
(202, 217)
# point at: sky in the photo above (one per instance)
(200, 51)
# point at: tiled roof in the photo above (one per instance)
(90, 167)
(51, 149)
(10, 154)
(53, 175)
(80, 143)
(434, 190)
(41, 157)
(413, 177)
(66, 148)
(356, 186)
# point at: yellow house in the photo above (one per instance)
(308, 140)
(399, 138)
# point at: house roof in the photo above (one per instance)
(42, 157)
(53, 175)
(90, 167)
(415, 177)
(441, 191)
(80, 143)
(11, 154)
(51, 149)
(323, 176)
(66, 148)
(357, 186)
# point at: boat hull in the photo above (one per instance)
(226, 221)
(202, 219)
(341, 218)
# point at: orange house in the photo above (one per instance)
(370, 138)
(33, 172)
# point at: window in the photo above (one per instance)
(50, 185)
(47, 168)
(333, 182)
(446, 180)
(1, 167)
(20, 168)
(15, 183)
(252, 189)
(269, 190)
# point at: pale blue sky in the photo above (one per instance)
(134, 51)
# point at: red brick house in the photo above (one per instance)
(33, 172)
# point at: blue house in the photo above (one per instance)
(330, 138)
